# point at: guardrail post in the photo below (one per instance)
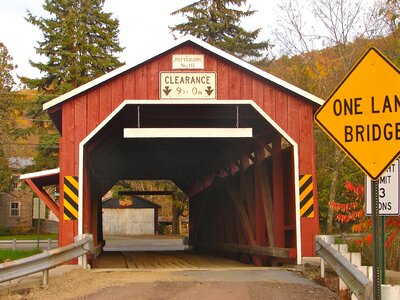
(330, 240)
(45, 281)
(84, 262)
(14, 244)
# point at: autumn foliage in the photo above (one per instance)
(352, 211)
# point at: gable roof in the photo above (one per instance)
(138, 202)
(187, 38)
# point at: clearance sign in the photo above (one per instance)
(188, 85)
(363, 114)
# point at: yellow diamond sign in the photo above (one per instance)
(363, 114)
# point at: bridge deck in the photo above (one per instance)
(164, 260)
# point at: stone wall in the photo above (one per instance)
(23, 221)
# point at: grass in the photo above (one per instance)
(9, 254)
(53, 236)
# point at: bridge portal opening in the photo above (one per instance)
(239, 173)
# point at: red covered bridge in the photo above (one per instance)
(238, 141)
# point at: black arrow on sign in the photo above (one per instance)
(167, 90)
(209, 90)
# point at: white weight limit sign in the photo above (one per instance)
(389, 198)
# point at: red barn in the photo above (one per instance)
(237, 140)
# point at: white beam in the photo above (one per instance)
(188, 132)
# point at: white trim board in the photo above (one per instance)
(188, 132)
(200, 43)
(198, 102)
(40, 174)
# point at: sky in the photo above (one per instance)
(143, 27)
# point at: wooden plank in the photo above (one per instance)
(80, 127)
(293, 118)
(164, 65)
(87, 207)
(93, 110)
(129, 84)
(240, 212)
(261, 217)
(141, 83)
(306, 141)
(117, 92)
(258, 92)
(277, 176)
(234, 83)
(105, 100)
(188, 132)
(248, 249)
(246, 86)
(222, 80)
(210, 64)
(281, 109)
(269, 101)
(44, 196)
(153, 80)
(266, 195)
(246, 186)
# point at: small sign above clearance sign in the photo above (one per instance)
(363, 114)
(188, 85)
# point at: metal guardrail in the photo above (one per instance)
(358, 283)
(14, 243)
(44, 261)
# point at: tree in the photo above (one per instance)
(7, 122)
(218, 23)
(6, 85)
(389, 15)
(6, 67)
(80, 42)
(337, 25)
(350, 210)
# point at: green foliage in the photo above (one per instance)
(218, 22)
(7, 122)
(389, 10)
(79, 42)
(6, 66)
(47, 150)
(9, 254)
(5, 174)
(326, 164)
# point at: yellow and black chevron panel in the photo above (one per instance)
(306, 196)
(71, 197)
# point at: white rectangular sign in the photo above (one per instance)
(187, 61)
(186, 85)
(389, 197)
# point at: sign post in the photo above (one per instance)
(362, 116)
(388, 202)
(377, 265)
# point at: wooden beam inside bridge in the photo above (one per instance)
(188, 132)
